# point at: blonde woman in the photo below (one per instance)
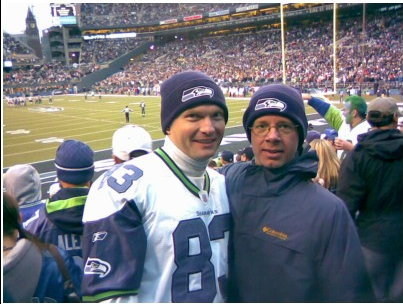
(329, 164)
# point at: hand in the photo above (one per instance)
(341, 144)
(306, 96)
(319, 181)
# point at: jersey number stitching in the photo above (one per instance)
(200, 263)
(135, 174)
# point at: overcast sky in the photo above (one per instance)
(14, 12)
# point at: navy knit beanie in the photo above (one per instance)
(277, 99)
(186, 90)
(74, 162)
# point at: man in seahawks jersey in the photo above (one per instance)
(156, 227)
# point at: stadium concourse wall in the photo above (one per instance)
(115, 66)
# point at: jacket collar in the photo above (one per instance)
(268, 181)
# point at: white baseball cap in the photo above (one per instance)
(128, 139)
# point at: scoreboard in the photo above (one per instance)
(66, 13)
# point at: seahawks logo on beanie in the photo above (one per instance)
(277, 99)
(270, 103)
(197, 92)
(185, 90)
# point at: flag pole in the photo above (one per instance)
(282, 42)
(334, 47)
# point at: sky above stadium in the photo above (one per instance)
(14, 12)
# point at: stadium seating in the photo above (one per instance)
(235, 60)
(109, 14)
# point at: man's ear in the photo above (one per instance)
(168, 131)
(117, 160)
(396, 118)
(354, 113)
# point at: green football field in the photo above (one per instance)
(33, 133)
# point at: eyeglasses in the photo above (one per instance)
(262, 130)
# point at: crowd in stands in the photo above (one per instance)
(37, 90)
(14, 46)
(109, 14)
(256, 57)
(31, 71)
(18, 52)
(99, 51)
(379, 57)
(48, 75)
(244, 60)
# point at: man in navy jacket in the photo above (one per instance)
(59, 222)
(371, 185)
(292, 240)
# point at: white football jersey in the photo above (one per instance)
(346, 133)
(152, 236)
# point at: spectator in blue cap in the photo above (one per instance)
(247, 154)
(310, 136)
(59, 222)
(227, 157)
(331, 134)
(287, 230)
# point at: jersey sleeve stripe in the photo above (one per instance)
(65, 204)
(109, 294)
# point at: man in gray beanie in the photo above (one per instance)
(165, 213)
(293, 241)
(59, 222)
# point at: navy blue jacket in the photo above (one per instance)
(292, 240)
(371, 183)
(60, 221)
